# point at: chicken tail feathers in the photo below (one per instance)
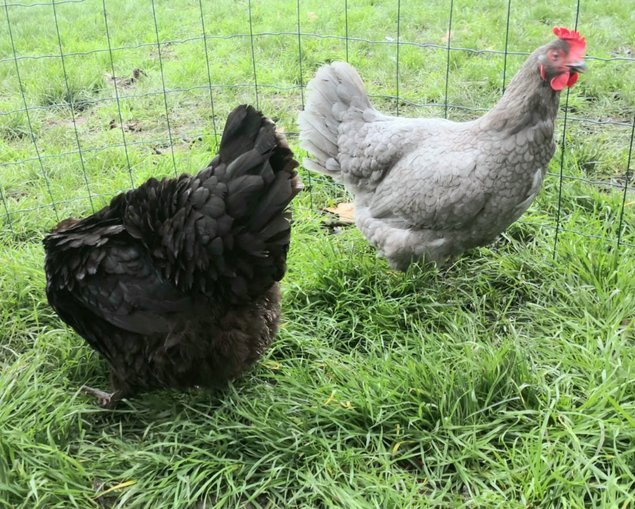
(336, 94)
(237, 233)
(257, 165)
(261, 179)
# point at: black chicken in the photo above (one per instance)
(175, 283)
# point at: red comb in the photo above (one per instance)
(577, 43)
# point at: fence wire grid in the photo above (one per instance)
(70, 103)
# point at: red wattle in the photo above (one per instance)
(560, 81)
(572, 79)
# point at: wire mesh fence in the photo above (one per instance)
(100, 94)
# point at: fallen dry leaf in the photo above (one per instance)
(344, 211)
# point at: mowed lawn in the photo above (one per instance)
(505, 380)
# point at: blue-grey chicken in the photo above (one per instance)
(430, 188)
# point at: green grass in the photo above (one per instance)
(505, 381)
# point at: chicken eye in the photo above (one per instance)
(554, 55)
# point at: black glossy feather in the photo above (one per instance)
(175, 282)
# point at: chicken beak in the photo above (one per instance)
(578, 66)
